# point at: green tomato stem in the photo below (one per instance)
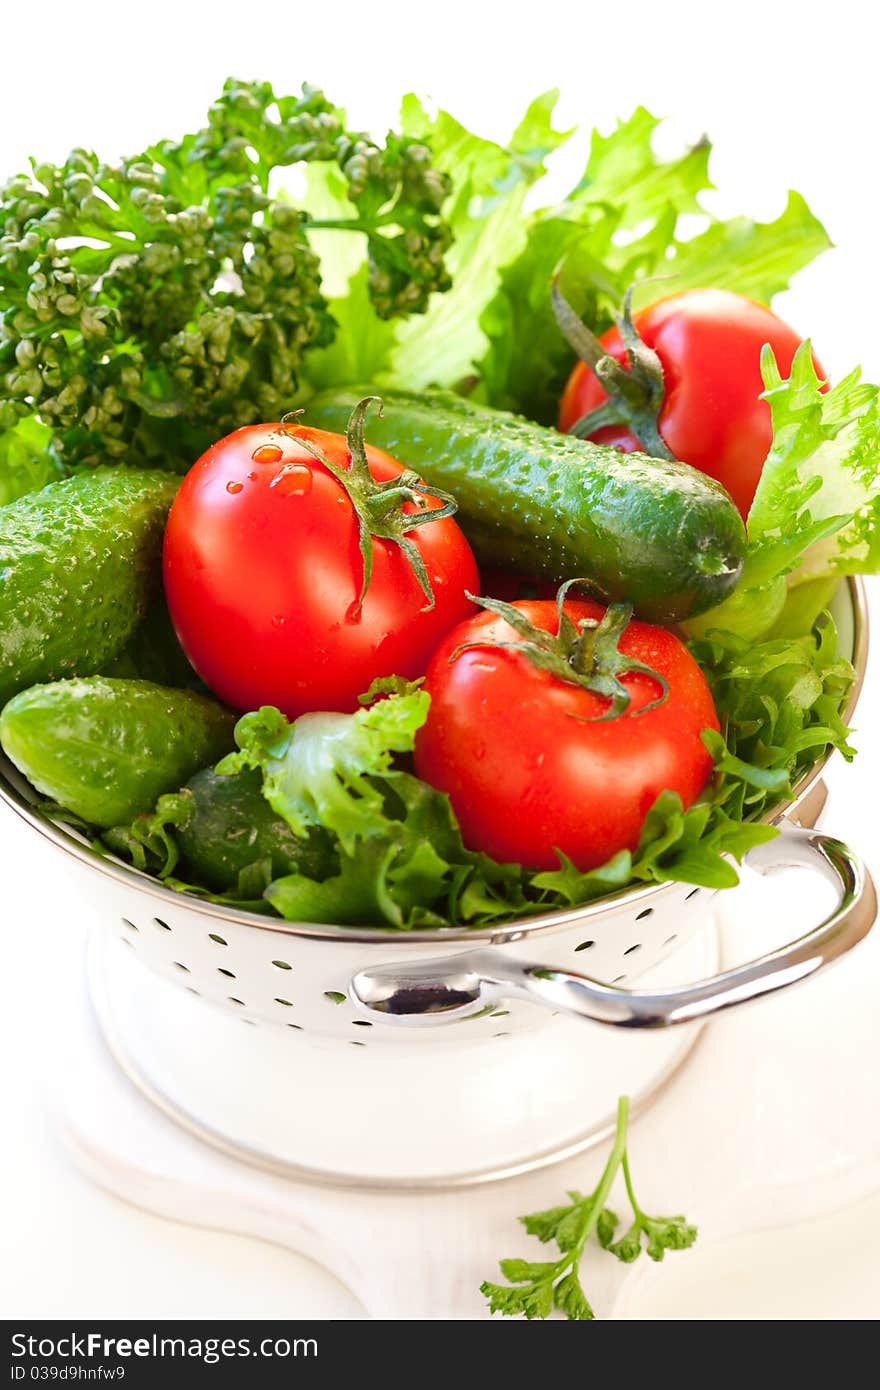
(635, 395)
(585, 654)
(379, 507)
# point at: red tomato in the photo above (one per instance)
(526, 774)
(263, 573)
(709, 344)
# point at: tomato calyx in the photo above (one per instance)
(379, 507)
(635, 392)
(585, 653)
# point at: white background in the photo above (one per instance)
(789, 94)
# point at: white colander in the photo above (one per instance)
(346, 1050)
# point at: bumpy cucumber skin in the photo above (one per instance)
(232, 826)
(106, 749)
(78, 564)
(536, 502)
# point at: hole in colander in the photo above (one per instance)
(190, 990)
(617, 979)
(585, 946)
(221, 970)
(163, 926)
(692, 894)
(127, 942)
(669, 940)
(282, 965)
(352, 1043)
(631, 950)
(212, 936)
(232, 999)
(131, 926)
(286, 1002)
(297, 1026)
(335, 996)
(361, 1023)
(645, 913)
(500, 1035)
(179, 966)
(250, 1022)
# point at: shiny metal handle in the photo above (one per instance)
(442, 991)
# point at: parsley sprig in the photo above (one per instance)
(535, 1289)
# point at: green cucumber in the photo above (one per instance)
(230, 827)
(153, 652)
(106, 749)
(535, 502)
(79, 563)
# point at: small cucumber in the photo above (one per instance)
(153, 652)
(539, 503)
(79, 562)
(231, 826)
(106, 749)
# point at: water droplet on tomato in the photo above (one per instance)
(267, 453)
(294, 480)
(252, 477)
(278, 620)
(234, 487)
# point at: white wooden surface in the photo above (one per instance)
(734, 1140)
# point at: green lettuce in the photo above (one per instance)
(398, 858)
(27, 462)
(326, 769)
(401, 860)
(621, 225)
(629, 218)
(485, 215)
(816, 512)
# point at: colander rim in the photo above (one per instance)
(14, 792)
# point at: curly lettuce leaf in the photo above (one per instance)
(629, 218)
(757, 259)
(624, 222)
(822, 476)
(411, 873)
(396, 856)
(779, 705)
(485, 215)
(149, 842)
(320, 770)
(401, 860)
(816, 513)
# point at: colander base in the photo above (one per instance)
(417, 1118)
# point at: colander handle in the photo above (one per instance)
(435, 991)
